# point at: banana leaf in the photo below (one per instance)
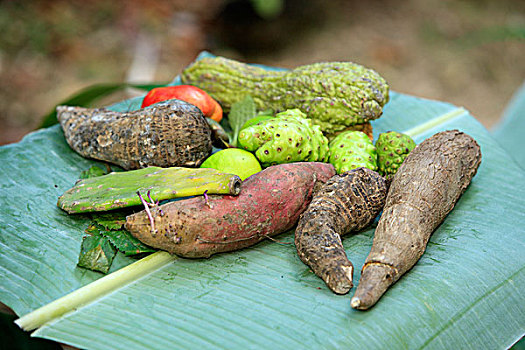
(89, 95)
(465, 292)
(509, 131)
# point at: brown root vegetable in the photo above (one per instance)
(345, 203)
(424, 190)
(167, 134)
(270, 202)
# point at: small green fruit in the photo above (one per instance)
(289, 137)
(392, 149)
(352, 149)
(233, 161)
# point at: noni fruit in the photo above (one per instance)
(392, 149)
(287, 138)
(352, 149)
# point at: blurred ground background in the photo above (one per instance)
(467, 52)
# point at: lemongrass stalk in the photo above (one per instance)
(435, 122)
(93, 291)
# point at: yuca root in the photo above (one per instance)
(345, 203)
(424, 190)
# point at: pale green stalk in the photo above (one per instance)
(94, 291)
(435, 122)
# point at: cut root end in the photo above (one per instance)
(355, 303)
(340, 279)
(376, 277)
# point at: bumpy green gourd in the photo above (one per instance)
(352, 149)
(287, 138)
(392, 149)
(119, 189)
(334, 95)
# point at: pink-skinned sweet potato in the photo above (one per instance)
(270, 203)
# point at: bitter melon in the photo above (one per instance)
(335, 95)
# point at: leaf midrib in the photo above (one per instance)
(460, 314)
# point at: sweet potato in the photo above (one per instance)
(270, 203)
(424, 190)
(345, 203)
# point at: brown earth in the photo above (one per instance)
(466, 52)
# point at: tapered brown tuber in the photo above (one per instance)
(345, 203)
(424, 190)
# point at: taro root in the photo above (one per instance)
(423, 191)
(166, 134)
(345, 203)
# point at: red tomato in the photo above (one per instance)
(192, 94)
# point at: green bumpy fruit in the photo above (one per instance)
(334, 95)
(392, 149)
(287, 138)
(352, 149)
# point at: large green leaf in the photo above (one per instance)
(86, 97)
(509, 131)
(465, 292)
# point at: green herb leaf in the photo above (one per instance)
(126, 243)
(97, 252)
(111, 225)
(241, 112)
(102, 242)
